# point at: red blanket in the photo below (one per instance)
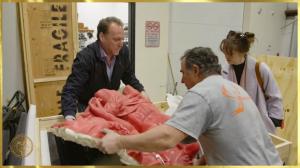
(128, 113)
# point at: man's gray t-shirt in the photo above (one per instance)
(222, 116)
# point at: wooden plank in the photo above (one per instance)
(50, 79)
(26, 54)
(283, 147)
(48, 95)
(285, 72)
(75, 28)
(47, 122)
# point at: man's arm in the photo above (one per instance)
(74, 83)
(274, 97)
(157, 139)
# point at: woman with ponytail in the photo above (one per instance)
(256, 78)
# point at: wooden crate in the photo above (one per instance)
(49, 41)
(283, 146)
(162, 106)
(43, 155)
(48, 98)
(42, 124)
(285, 72)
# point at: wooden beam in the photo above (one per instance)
(50, 79)
(26, 54)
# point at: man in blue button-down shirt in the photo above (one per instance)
(102, 64)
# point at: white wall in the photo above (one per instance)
(12, 57)
(151, 63)
(199, 24)
(206, 24)
(288, 44)
(265, 20)
(91, 13)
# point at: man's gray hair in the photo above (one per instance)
(105, 22)
(204, 58)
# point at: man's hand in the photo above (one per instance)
(110, 143)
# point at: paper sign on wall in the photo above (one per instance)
(152, 33)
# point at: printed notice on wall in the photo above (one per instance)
(152, 33)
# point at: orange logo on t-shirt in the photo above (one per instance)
(236, 96)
